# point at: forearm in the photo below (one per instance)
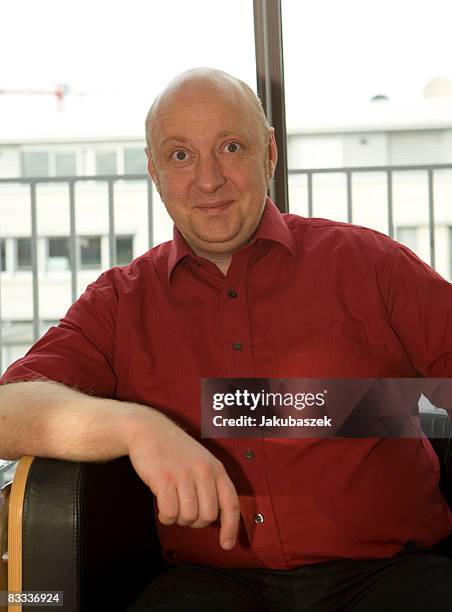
(50, 420)
(47, 419)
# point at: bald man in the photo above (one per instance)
(244, 291)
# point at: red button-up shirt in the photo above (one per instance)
(304, 298)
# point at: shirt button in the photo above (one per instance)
(237, 346)
(232, 293)
(249, 454)
(259, 518)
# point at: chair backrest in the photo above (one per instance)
(438, 428)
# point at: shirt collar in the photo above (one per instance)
(272, 226)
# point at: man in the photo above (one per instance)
(243, 291)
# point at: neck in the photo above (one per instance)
(221, 261)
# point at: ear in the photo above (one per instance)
(272, 153)
(151, 169)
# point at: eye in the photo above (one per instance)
(179, 155)
(232, 147)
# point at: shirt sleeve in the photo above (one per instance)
(79, 352)
(419, 304)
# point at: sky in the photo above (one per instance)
(355, 49)
(115, 56)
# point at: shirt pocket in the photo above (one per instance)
(304, 355)
(339, 350)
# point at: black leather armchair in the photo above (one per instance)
(88, 529)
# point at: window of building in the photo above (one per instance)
(35, 164)
(90, 252)
(58, 254)
(105, 162)
(124, 250)
(134, 161)
(2, 255)
(23, 253)
(65, 164)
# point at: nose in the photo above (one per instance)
(209, 174)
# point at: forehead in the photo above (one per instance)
(203, 111)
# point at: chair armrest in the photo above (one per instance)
(88, 530)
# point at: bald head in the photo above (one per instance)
(208, 81)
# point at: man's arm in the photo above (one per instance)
(50, 420)
(419, 306)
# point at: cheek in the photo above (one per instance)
(255, 184)
(251, 178)
(174, 186)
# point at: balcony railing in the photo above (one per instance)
(70, 183)
(389, 171)
(309, 193)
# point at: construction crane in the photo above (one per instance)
(60, 93)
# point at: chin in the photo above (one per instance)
(219, 237)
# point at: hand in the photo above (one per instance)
(191, 485)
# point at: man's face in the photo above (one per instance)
(211, 164)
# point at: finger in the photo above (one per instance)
(229, 511)
(208, 503)
(188, 502)
(167, 504)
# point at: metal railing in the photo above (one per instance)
(110, 180)
(71, 181)
(389, 171)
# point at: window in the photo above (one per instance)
(35, 163)
(105, 162)
(65, 164)
(23, 253)
(124, 250)
(90, 252)
(58, 254)
(48, 163)
(2, 255)
(417, 147)
(134, 161)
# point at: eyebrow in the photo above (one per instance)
(222, 134)
(241, 133)
(173, 139)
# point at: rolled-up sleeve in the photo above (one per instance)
(79, 351)
(419, 303)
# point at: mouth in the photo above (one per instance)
(215, 207)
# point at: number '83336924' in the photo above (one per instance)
(37, 598)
